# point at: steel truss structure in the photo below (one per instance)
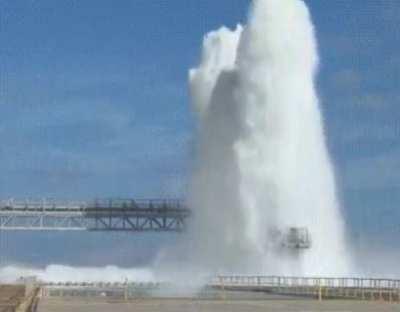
(131, 215)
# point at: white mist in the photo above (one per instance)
(262, 162)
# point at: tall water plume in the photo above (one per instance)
(262, 162)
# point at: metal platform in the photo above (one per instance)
(99, 215)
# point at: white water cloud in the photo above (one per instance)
(60, 273)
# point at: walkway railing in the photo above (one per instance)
(321, 287)
(288, 281)
(49, 204)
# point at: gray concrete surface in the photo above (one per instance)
(188, 305)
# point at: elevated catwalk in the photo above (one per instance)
(97, 215)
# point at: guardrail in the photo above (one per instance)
(288, 281)
(55, 204)
(321, 287)
(387, 290)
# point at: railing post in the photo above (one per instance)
(126, 292)
(222, 288)
(279, 284)
(319, 292)
(398, 295)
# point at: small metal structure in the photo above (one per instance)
(297, 238)
(131, 215)
(292, 238)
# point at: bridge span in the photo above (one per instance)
(131, 215)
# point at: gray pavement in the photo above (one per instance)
(193, 305)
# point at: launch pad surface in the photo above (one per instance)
(192, 305)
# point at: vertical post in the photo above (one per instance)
(320, 293)
(126, 292)
(223, 288)
(41, 292)
(398, 295)
(279, 284)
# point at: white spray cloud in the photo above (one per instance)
(262, 160)
(61, 273)
(219, 54)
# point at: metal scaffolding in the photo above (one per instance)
(131, 215)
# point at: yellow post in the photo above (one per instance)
(320, 293)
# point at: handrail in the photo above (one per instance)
(294, 281)
(52, 204)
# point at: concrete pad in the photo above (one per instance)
(193, 305)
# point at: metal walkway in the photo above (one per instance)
(99, 215)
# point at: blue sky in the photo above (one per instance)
(94, 100)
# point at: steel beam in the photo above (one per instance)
(99, 215)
